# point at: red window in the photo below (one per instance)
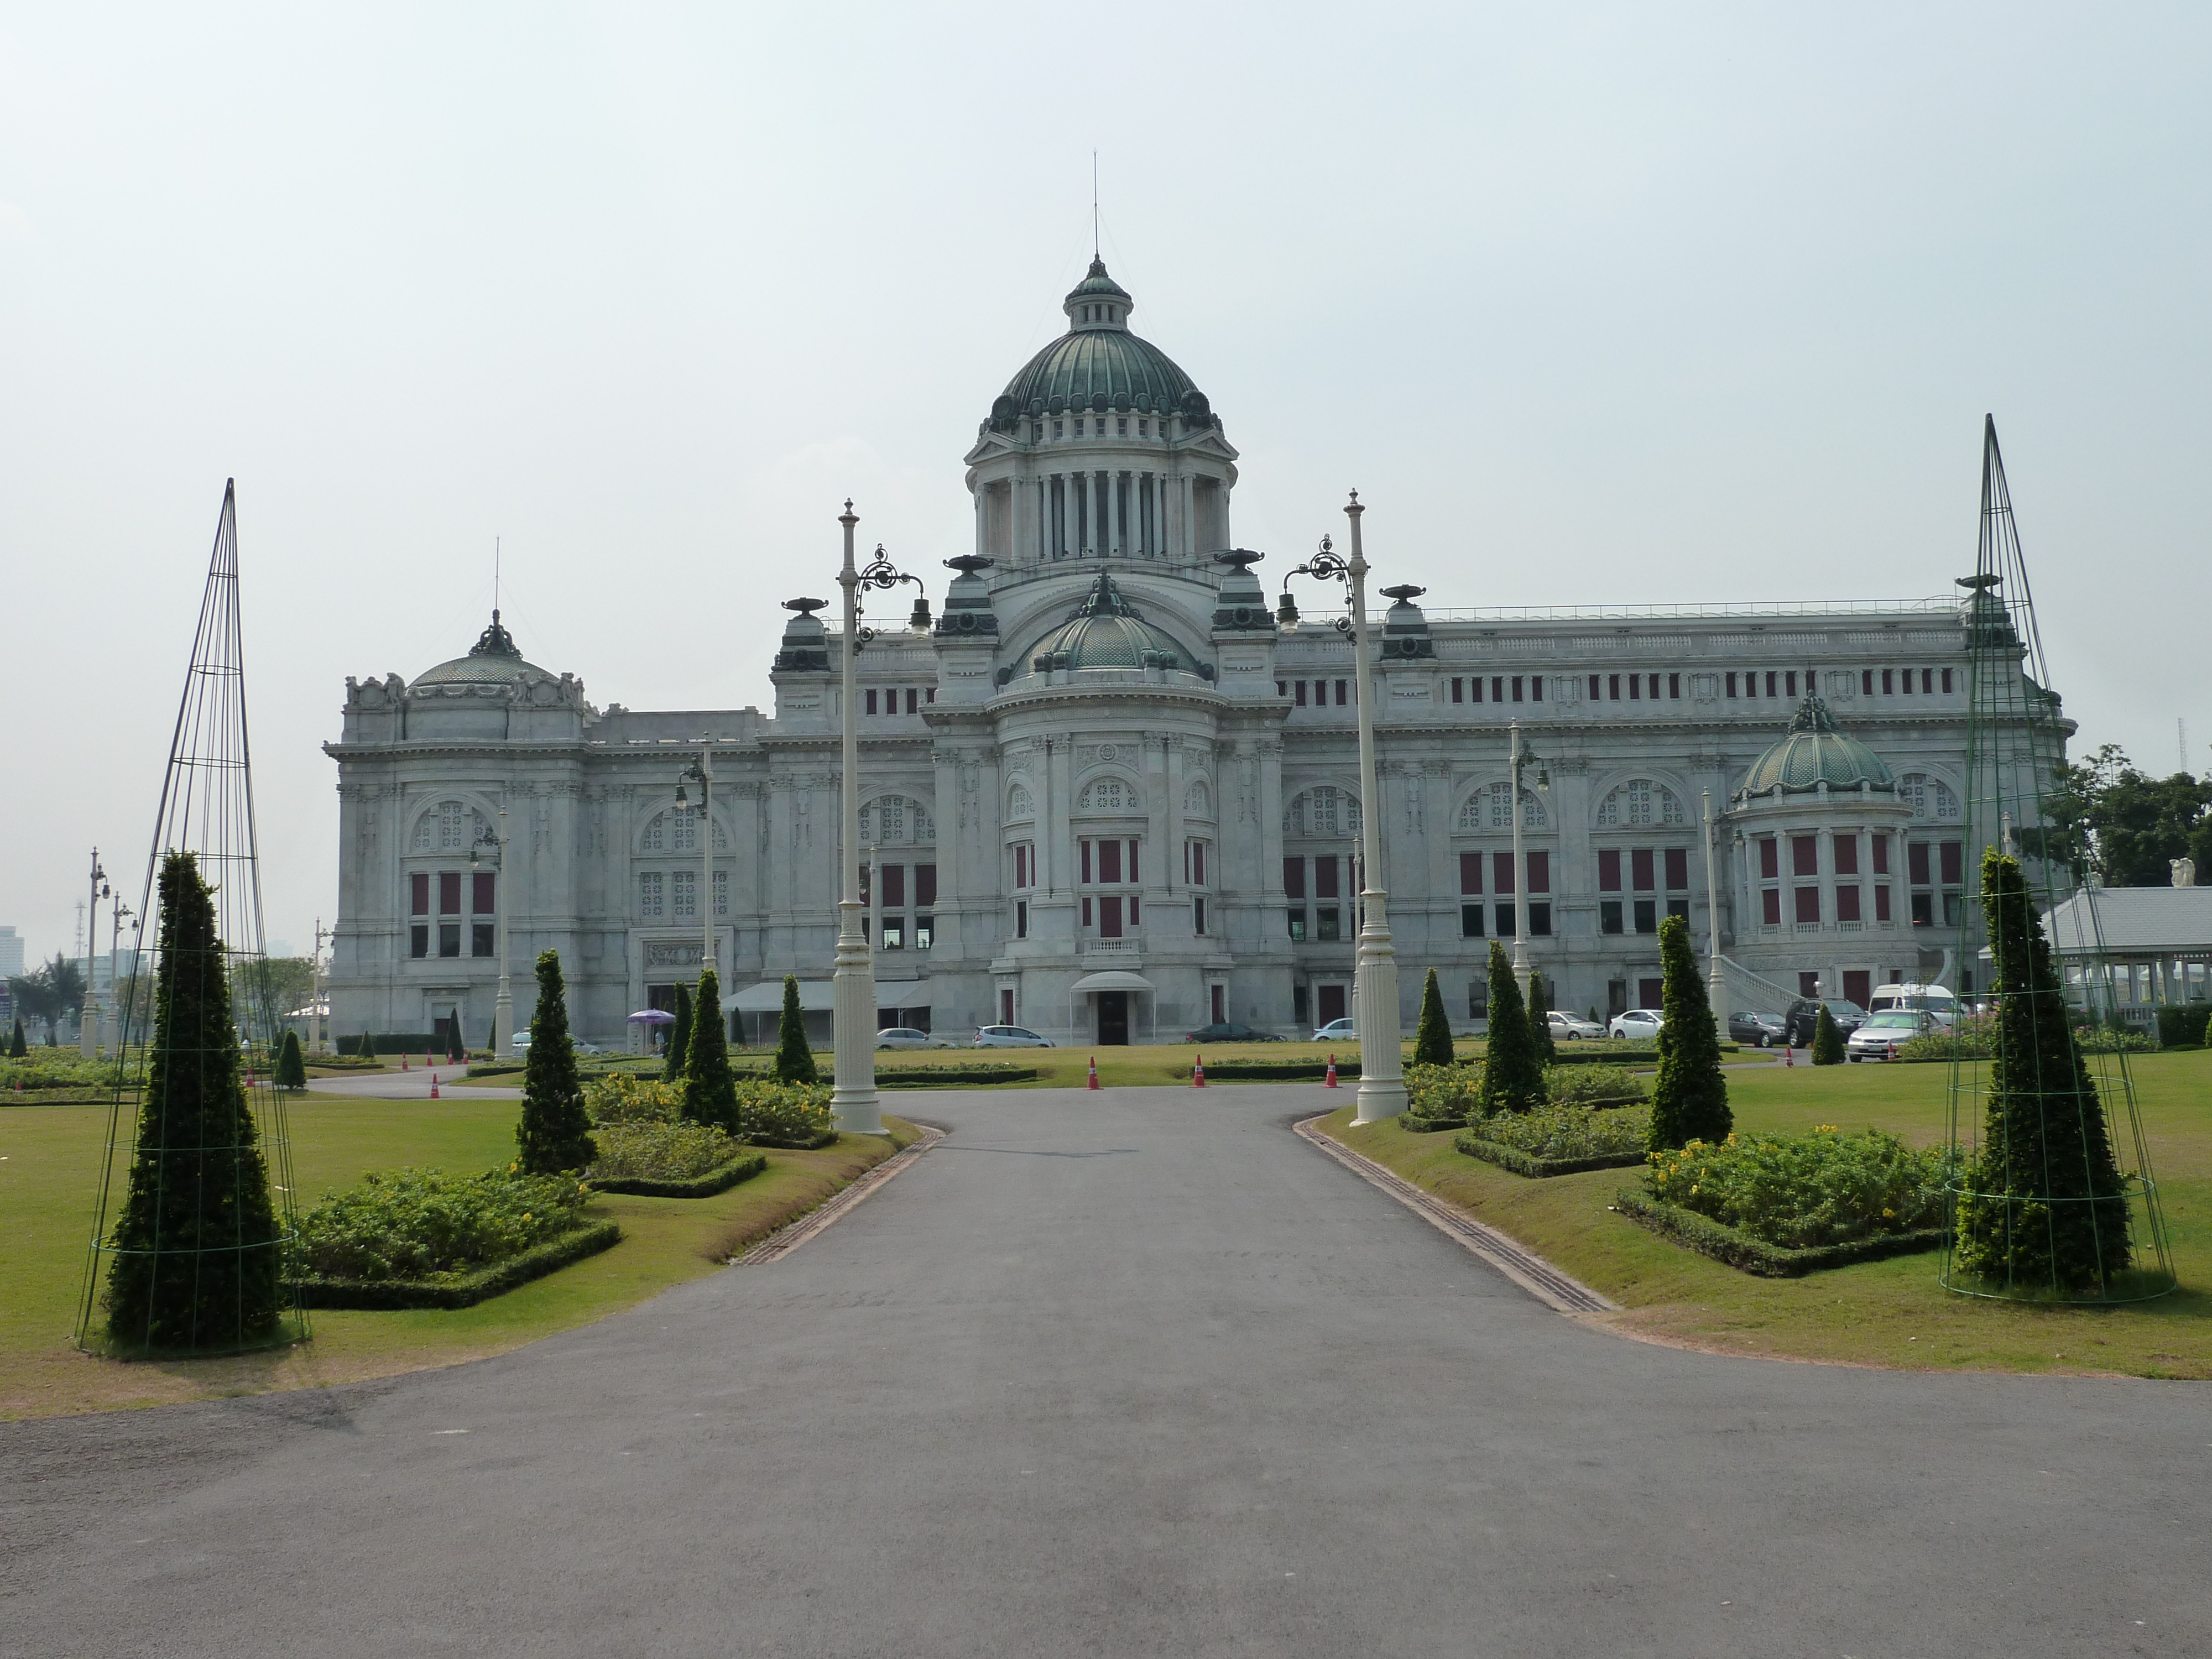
(1196, 874)
(1636, 688)
(1771, 691)
(1916, 862)
(1881, 854)
(1006, 1006)
(1109, 860)
(1954, 860)
(483, 886)
(1731, 685)
(1217, 999)
(925, 884)
(1928, 681)
(1946, 681)
(1299, 686)
(1678, 869)
(1086, 913)
(872, 701)
(1640, 870)
(1804, 856)
(1021, 865)
(1882, 901)
(1536, 688)
(1847, 855)
(1594, 691)
(1608, 870)
(1132, 861)
(1132, 909)
(1516, 688)
(912, 701)
(1294, 879)
(1907, 687)
(1770, 906)
(1324, 878)
(1459, 687)
(449, 892)
(1086, 862)
(1470, 871)
(1808, 904)
(1792, 677)
(1847, 906)
(1674, 686)
(1497, 688)
(1501, 872)
(1858, 986)
(1539, 873)
(418, 890)
(1109, 916)
(894, 886)
(1340, 686)
(1474, 689)
(1770, 858)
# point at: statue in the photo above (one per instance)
(2185, 872)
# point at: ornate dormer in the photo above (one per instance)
(805, 640)
(1240, 606)
(968, 614)
(1405, 629)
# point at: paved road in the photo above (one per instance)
(1134, 1373)
(411, 1084)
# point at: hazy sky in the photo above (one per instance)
(1636, 303)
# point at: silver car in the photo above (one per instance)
(1638, 1025)
(1881, 1035)
(1008, 1036)
(1567, 1028)
(906, 1036)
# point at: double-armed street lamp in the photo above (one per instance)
(1375, 987)
(88, 1013)
(490, 848)
(1523, 758)
(701, 772)
(116, 912)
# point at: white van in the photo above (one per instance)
(1933, 999)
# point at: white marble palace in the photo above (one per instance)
(1111, 792)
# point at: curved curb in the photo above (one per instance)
(788, 1237)
(1557, 1291)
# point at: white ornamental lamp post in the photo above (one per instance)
(1522, 757)
(1375, 990)
(87, 1014)
(116, 913)
(701, 772)
(1714, 982)
(490, 848)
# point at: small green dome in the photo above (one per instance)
(494, 660)
(1814, 752)
(1105, 631)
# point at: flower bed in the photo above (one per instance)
(792, 1115)
(670, 1160)
(1562, 1138)
(1787, 1204)
(1609, 1084)
(1439, 1097)
(422, 1238)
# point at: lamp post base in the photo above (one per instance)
(853, 1033)
(1382, 1068)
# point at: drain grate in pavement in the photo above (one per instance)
(1554, 1289)
(788, 1237)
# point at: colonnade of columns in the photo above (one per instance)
(1095, 513)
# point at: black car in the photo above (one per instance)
(1803, 1018)
(1223, 1032)
(1757, 1031)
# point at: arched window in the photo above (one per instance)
(1198, 800)
(1323, 813)
(897, 821)
(1928, 797)
(1108, 795)
(449, 827)
(1020, 804)
(1490, 808)
(1638, 803)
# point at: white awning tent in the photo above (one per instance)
(1114, 979)
(816, 996)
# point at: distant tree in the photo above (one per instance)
(17, 1048)
(1689, 1097)
(794, 1061)
(1827, 1040)
(2106, 815)
(679, 1038)
(291, 1065)
(196, 1247)
(555, 1131)
(1512, 1077)
(710, 1092)
(456, 1050)
(1539, 1021)
(264, 989)
(1432, 1040)
(2042, 1204)
(66, 979)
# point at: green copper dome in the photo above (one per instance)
(1105, 631)
(494, 660)
(1099, 364)
(1814, 752)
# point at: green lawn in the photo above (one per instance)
(1881, 1313)
(49, 1157)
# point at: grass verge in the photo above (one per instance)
(1889, 1313)
(49, 1156)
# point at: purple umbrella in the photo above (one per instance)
(652, 1016)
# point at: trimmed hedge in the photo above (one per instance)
(706, 1186)
(1740, 1250)
(396, 1043)
(937, 1077)
(2184, 1027)
(1414, 1124)
(1539, 1168)
(457, 1290)
(1276, 1071)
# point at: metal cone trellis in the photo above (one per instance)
(2048, 1193)
(194, 1108)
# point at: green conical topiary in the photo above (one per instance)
(196, 1246)
(794, 1061)
(1539, 1021)
(456, 1050)
(679, 1038)
(555, 1131)
(1513, 1078)
(17, 1048)
(1432, 1041)
(1827, 1040)
(710, 1092)
(291, 1065)
(1689, 1097)
(2042, 1204)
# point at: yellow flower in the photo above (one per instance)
(1888, 1214)
(525, 1215)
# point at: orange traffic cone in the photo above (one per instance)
(1197, 1073)
(1329, 1082)
(1789, 1055)
(1093, 1083)
(403, 1063)
(433, 1085)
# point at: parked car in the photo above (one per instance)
(1223, 1032)
(1008, 1036)
(1935, 999)
(906, 1036)
(1802, 1018)
(1882, 1035)
(1337, 1030)
(1638, 1025)
(1565, 1028)
(520, 1041)
(1759, 1030)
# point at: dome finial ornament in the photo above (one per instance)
(496, 642)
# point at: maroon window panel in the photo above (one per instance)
(482, 885)
(1497, 688)
(871, 702)
(1294, 879)
(418, 890)
(1086, 861)
(1300, 686)
(1593, 688)
(1770, 906)
(1109, 916)
(1339, 693)
(1808, 904)
(1770, 859)
(1132, 861)
(1501, 872)
(1881, 854)
(1109, 860)
(925, 884)
(1539, 873)
(895, 886)
(913, 702)
(1470, 871)
(1804, 856)
(1608, 870)
(1639, 869)
(1132, 909)
(1882, 901)
(449, 892)
(1916, 862)
(1847, 906)
(1847, 855)
(1325, 878)
(1678, 869)
(1953, 861)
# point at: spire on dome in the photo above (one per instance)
(496, 642)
